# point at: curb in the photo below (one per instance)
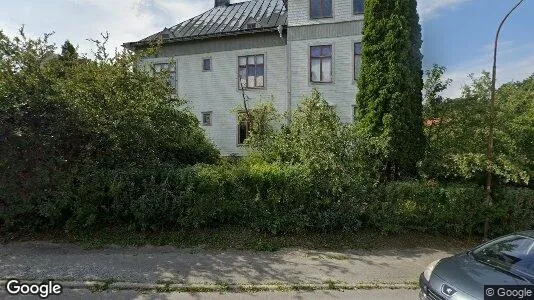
(222, 287)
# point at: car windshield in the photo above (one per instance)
(513, 253)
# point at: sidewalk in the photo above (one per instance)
(138, 268)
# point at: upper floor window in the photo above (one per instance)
(206, 64)
(251, 71)
(358, 6)
(320, 8)
(321, 63)
(357, 60)
(170, 68)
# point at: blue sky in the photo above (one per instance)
(456, 33)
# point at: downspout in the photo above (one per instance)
(288, 58)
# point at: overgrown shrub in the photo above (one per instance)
(268, 197)
(61, 115)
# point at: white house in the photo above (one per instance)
(274, 49)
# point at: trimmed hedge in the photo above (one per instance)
(265, 197)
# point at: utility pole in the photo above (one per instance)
(491, 121)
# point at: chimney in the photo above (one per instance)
(222, 3)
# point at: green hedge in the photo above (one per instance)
(265, 197)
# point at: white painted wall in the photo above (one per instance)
(217, 91)
(342, 91)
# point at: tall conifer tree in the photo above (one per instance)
(390, 98)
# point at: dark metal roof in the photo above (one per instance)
(238, 18)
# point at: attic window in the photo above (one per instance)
(251, 25)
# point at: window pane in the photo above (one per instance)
(242, 132)
(259, 75)
(315, 51)
(358, 6)
(327, 70)
(243, 61)
(357, 66)
(206, 119)
(243, 129)
(259, 59)
(250, 60)
(161, 67)
(316, 70)
(327, 8)
(358, 49)
(259, 81)
(172, 79)
(315, 8)
(207, 64)
(242, 76)
(251, 73)
(327, 50)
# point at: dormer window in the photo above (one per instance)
(166, 33)
(320, 9)
(251, 25)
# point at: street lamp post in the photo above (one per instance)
(489, 178)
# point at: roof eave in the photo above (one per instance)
(133, 45)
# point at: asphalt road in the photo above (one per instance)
(384, 294)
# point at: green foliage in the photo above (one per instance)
(68, 51)
(100, 143)
(389, 98)
(62, 114)
(315, 139)
(433, 86)
(457, 133)
(107, 112)
(268, 198)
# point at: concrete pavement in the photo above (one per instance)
(38, 261)
(319, 295)
(146, 272)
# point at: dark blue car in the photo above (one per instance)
(508, 260)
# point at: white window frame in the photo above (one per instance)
(240, 66)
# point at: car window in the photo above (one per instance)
(514, 253)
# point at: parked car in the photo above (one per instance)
(508, 260)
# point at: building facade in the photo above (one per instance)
(265, 50)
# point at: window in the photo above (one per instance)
(251, 71)
(206, 118)
(354, 113)
(321, 9)
(321, 64)
(358, 7)
(357, 60)
(170, 69)
(206, 65)
(243, 128)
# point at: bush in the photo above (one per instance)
(64, 120)
(267, 197)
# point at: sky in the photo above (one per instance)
(457, 34)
